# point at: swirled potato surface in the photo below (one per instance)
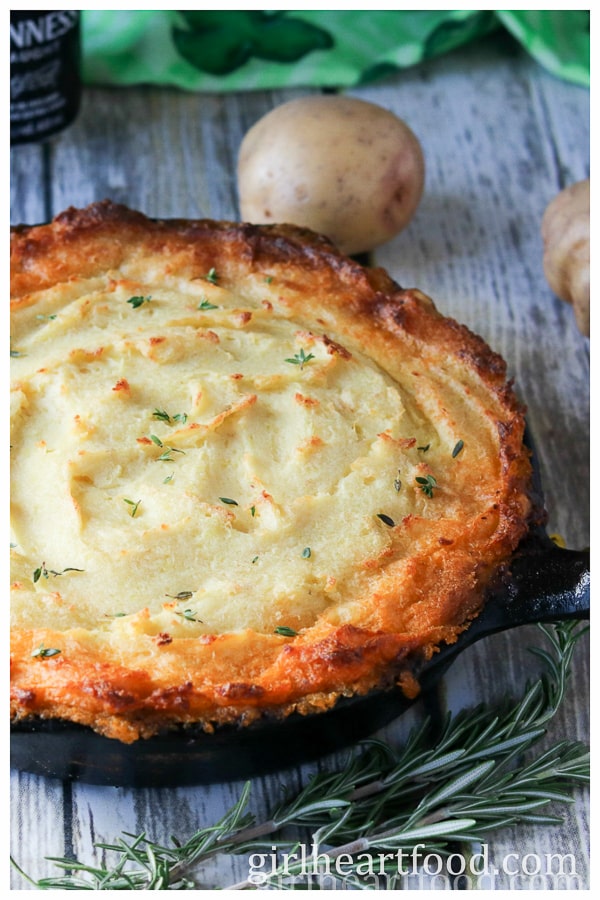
(248, 475)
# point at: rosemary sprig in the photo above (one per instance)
(470, 778)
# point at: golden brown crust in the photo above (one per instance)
(420, 583)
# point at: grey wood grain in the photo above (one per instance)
(501, 137)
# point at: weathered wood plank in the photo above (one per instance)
(28, 196)
(500, 137)
(37, 824)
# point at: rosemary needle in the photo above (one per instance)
(474, 777)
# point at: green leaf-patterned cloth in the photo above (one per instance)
(238, 50)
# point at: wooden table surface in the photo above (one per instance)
(501, 137)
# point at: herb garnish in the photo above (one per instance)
(425, 448)
(134, 506)
(138, 301)
(15, 353)
(229, 501)
(386, 519)
(45, 652)
(48, 317)
(166, 455)
(284, 631)
(212, 276)
(255, 560)
(182, 595)
(168, 479)
(397, 483)
(306, 553)
(301, 358)
(482, 771)
(458, 447)
(43, 572)
(252, 511)
(164, 416)
(189, 615)
(206, 304)
(268, 279)
(426, 484)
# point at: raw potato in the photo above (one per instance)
(566, 236)
(340, 166)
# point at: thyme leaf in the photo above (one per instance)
(427, 484)
(134, 506)
(189, 615)
(138, 301)
(45, 652)
(387, 520)
(206, 304)
(43, 572)
(229, 501)
(285, 631)
(301, 358)
(164, 416)
(457, 448)
(212, 276)
(166, 456)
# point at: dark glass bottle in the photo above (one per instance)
(45, 83)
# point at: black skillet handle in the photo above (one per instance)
(545, 583)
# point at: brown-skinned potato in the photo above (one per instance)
(566, 236)
(340, 166)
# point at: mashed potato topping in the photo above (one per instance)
(246, 474)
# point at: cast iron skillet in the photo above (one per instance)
(545, 584)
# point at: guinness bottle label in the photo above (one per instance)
(45, 83)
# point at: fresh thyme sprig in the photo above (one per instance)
(163, 416)
(467, 780)
(43, 572)
(427, 484)
(301, 358)
(165, 456)
(134, 504)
